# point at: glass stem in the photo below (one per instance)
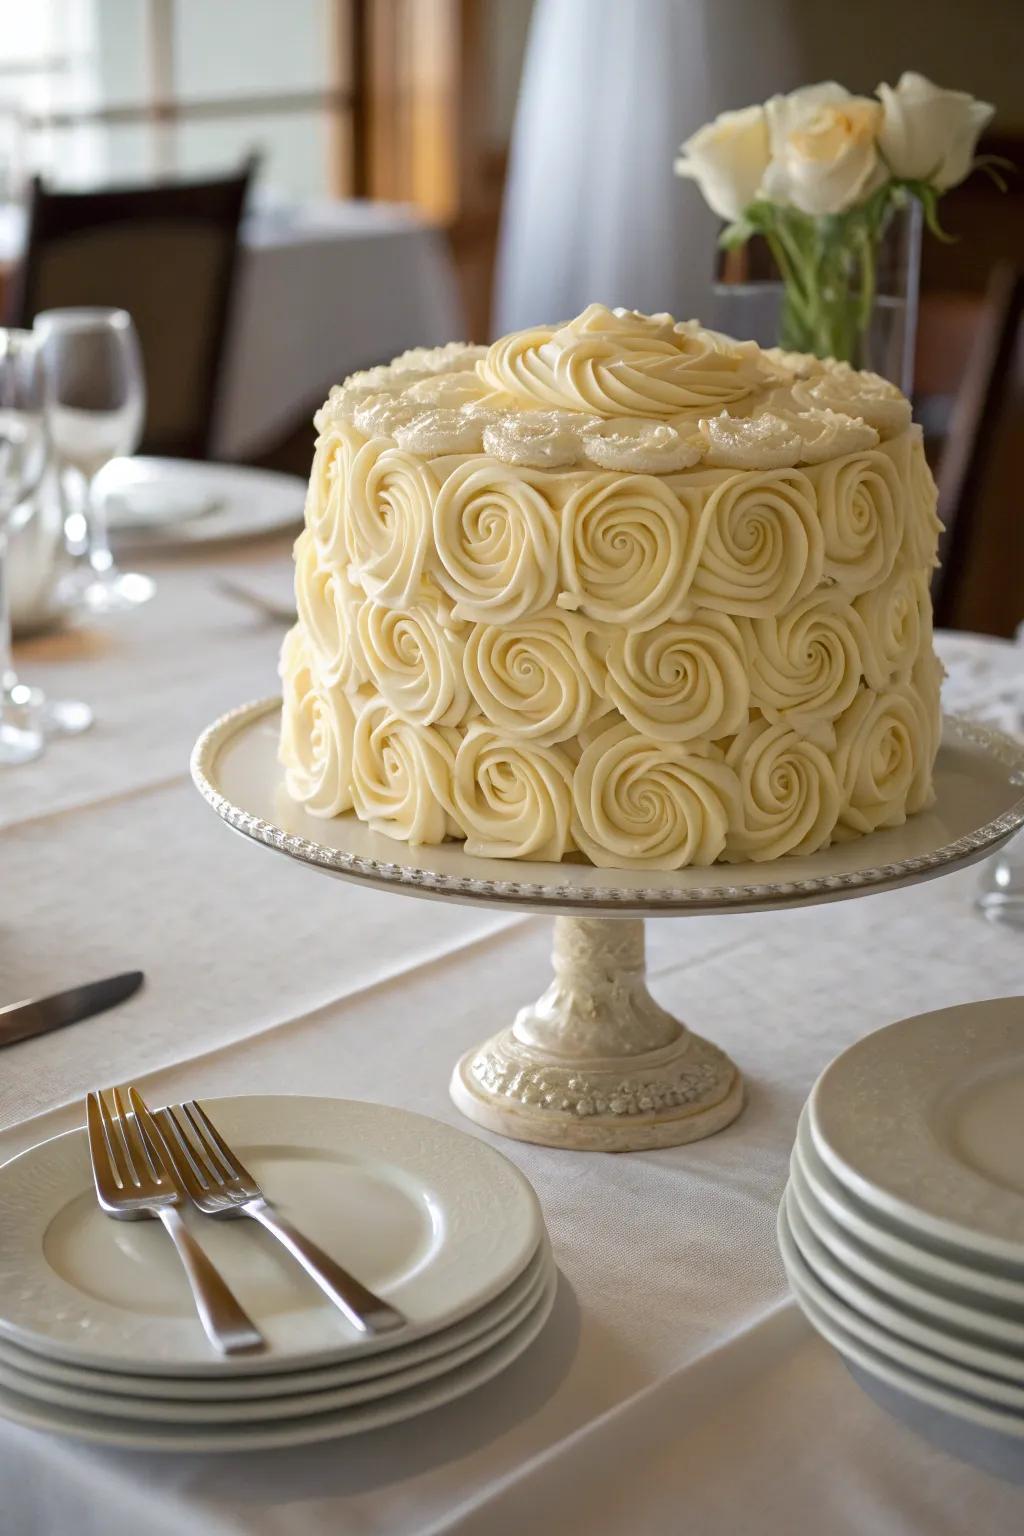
(8, 676)
(98, 545)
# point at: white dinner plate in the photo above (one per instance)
(922, 1120)
(966, 1278)
(805, 1283)
(433, 1219)
(253, 1410)
(958, 1405)
(364, 1368)
(135, 1435)
(995, 1360)
(166, 504)
(973, 1317)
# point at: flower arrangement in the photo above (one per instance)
(818, 174)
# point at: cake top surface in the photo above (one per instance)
(619, 390)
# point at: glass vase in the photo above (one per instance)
(838, 300)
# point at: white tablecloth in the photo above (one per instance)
(322, 290)
(677, 1387)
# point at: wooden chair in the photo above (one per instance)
(168, 255)
(980, 584)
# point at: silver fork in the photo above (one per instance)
(133, 1181)
(219, 1185)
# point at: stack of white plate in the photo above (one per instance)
(99, 1338)
(902, 1226)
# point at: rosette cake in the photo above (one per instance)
(623, 589)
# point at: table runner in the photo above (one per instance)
(677, 1386)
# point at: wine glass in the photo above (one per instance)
(96, 405)
(22, 460)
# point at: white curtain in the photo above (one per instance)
(593, 210)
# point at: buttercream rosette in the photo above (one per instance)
(805, 664)
(317, 733)
(390, 501)
(682, 681)
(639, 803)
(862, 509)
(626, 550)
(535, 680)
(325, 516)
(496, 539)
(896, 617)
(789, 797)
(512, 797)
(327, 604)
(402, 775)
(883, 759)
(761, 544)
(415, 657)
(924, 526)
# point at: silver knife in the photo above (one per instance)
(36, 1016)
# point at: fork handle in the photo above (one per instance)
(227, 1326)
(365, 1310)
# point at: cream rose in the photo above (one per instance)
(416, 661)
(336, 448)
(402, 775)
(646, 804)
(924, 526)
(626, 549)
(760, 543)
(893, 616)
(928, 134)
(534, 680)
(497, 542)
(863, 509)
(788, 797)
(513, 799)
(806, 664)
(619, 363)
(727, 159)
(327, 604)
(883, 758)
(390, 501)
(684, 680)
(823, 153)
(317, 733)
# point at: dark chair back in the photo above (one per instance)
(168, 255)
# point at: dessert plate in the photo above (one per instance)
(960, 1378)
(341, 1422)
(922, 1122)
(996, 1360)
(979, 780)
(958, 1405)
(364, 1368)
(433, 1219)
(965, 1278)
(252, 1410)
(169, 504)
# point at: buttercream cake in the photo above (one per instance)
(623, 589)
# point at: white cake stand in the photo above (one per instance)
(596, 1062)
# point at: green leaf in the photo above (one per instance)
(928, 198)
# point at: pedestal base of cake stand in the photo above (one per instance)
(596, 1063)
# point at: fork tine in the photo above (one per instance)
(118, 1144)
(186, 1157)
(228, 1159)
(142, 1133)
(104, 1170)
(134, 1141)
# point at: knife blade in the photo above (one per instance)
(37, 1016)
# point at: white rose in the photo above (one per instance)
(824, 158)
(727, 159)
(929, 134)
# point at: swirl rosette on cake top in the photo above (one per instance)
(513, 798)
(805, 664)
(760, 543)
(855, 393)
(883, 758)
(638, 446)
(683, 680)
(535, 439)
(788, 794)
(534, 680)
(626, 550)
(326, 603)
(402, 775)
(862, 511)
(415, 658)
(317, 732)
(440, 430)
(496, 539)
(619, 363)
(639, 803)
(390, 501)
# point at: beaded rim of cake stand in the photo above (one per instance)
(608, 899)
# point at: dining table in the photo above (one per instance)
(676, 1386)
